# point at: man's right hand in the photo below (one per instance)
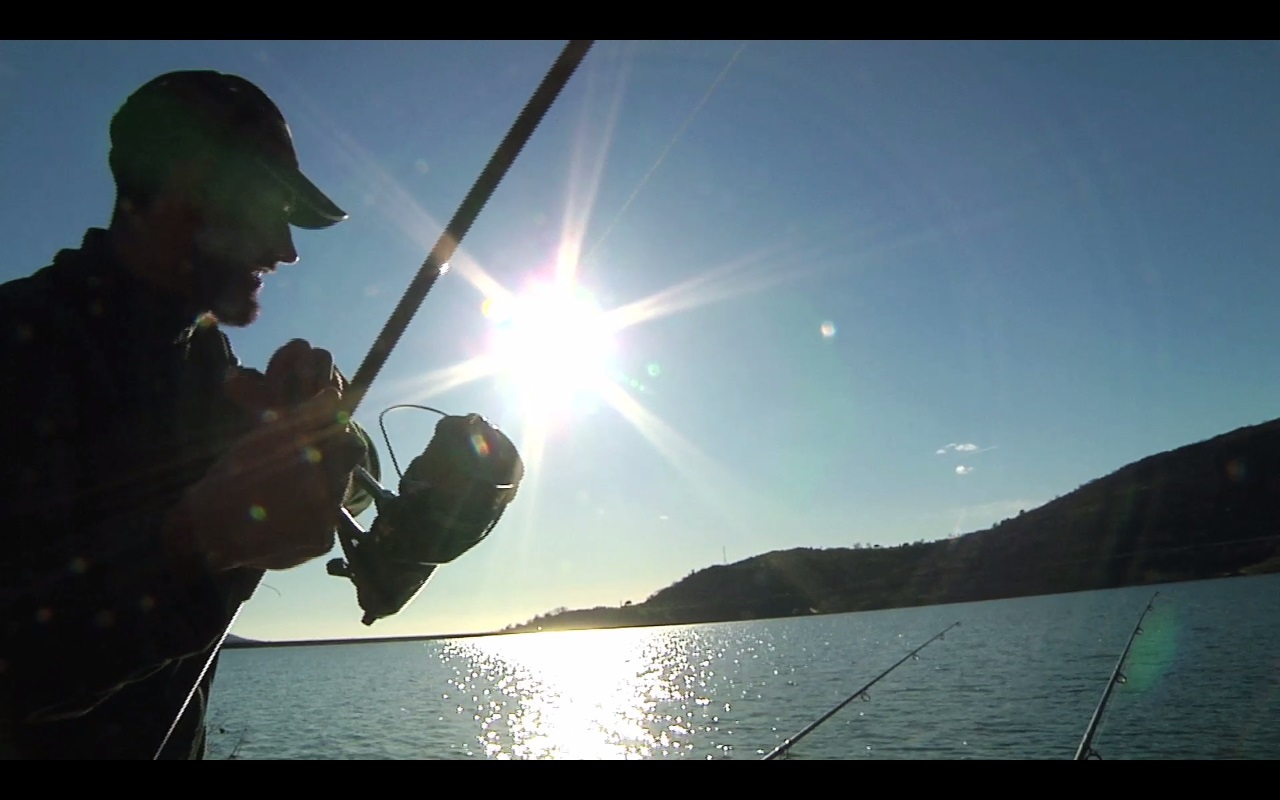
(274, 500)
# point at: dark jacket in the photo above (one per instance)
(112, 405)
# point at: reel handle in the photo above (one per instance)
(370, 484)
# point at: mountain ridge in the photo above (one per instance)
(1202, 510)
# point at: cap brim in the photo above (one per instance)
(312, 209)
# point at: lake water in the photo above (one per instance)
(1019, 679)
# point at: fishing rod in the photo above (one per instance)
(435, 265)
(791, 741)
(453, 494)
(1086, 752)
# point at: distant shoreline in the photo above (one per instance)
(235, 642)
(238, 642)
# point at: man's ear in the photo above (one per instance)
(186, 188)
(181, 202)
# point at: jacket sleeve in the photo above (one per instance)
(86, 605)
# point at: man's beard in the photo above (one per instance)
(226, 279)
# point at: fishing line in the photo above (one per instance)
(715, 84)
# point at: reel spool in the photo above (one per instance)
(451, 497)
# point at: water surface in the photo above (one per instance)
(1019, 679)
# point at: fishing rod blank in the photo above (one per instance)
(787, 744)
(434, 266)
(1086, 751)
(436, 262)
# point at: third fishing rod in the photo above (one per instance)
(1085, 751)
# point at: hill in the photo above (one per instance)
(239, 641)
(1204, 510)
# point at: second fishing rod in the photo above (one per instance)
(782, 749)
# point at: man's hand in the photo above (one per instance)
(295, 373)
(274, 500)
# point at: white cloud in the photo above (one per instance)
(963, 470)
(966, 447)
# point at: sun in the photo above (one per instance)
(552, 344)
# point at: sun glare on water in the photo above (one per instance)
(617, 694)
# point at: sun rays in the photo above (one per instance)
(554, 347)
(549, 342)
(718, 283)
(713, 483)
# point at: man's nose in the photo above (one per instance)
(283, 250)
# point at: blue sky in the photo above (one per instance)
(908, 288)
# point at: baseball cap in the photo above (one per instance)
(205, 111)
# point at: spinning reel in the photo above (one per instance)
(451, 497)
